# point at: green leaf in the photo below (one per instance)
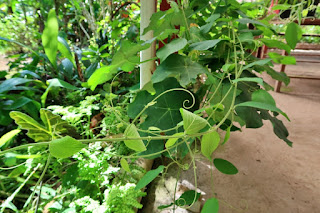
(278, 127)
(258, 62)
(261, 99)
(293, 34)
(204, 45)
(65, 147)
(187, 198)
(276, 44)
(211, 206)
(8, 136)
(225, 166)
(251, 21)
(65, 50)
(137, 145)
(148, 177)
(192, 123)
(172, 141)
(11, 84)
(210, 21)
(174, 46)
(126, 58)
(227, 136)
(280, 76)
(180, 67)
(124, 164)
(281, 7)
(281, 59)
(53, 125)
(16, 42)
(36, 131)
(55, 83)
(257, 80)
(209, 143)
(164, 113)
(50, 37)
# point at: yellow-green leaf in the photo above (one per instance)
(65, 147)
(124, 164)
(137, 145)
(8, 136)
(172, 141)
(209, 143)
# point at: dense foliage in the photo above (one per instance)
(83, 122)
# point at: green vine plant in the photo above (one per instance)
(207, 82)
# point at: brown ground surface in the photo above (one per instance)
(272, 178)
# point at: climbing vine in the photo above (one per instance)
(207, 84)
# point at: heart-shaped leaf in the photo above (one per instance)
(192, 123)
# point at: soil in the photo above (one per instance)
(273, 177)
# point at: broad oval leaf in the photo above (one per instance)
(137, 145)
(172, 141)
(209, 143)
(211, 206)
(148, 177)
(225, 166)
(204, 45)
(124, 164)
(293, 34)
(50, 37)
(65, 147)
(192, 123)
(8, 136)
(174, 46)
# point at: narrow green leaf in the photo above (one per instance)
(124, 164)
(50, 37)
(227, 136)
(258, 62)
(209, 144)
(251, 21)
(172, 141)
(8, 136)
(192, 123)
(211, 206)
(174, 46)
(65, 147)
(204, 45)
(293, 34)
(187, 198)
(65, 50)
(225, 166)
(148, 177)
(137, 145)
(55, 83)
(257, 80)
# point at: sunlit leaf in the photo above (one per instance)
(209, 143)
(192, 123)
(65, 147)
(50, 37)
(172, 141)
(137, 145)
(174, 46)
(8, 136)
(124, 164)
(148, 177)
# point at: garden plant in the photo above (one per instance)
(74, 122)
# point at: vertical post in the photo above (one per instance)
(147, 8)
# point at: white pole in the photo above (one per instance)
(147, 8)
